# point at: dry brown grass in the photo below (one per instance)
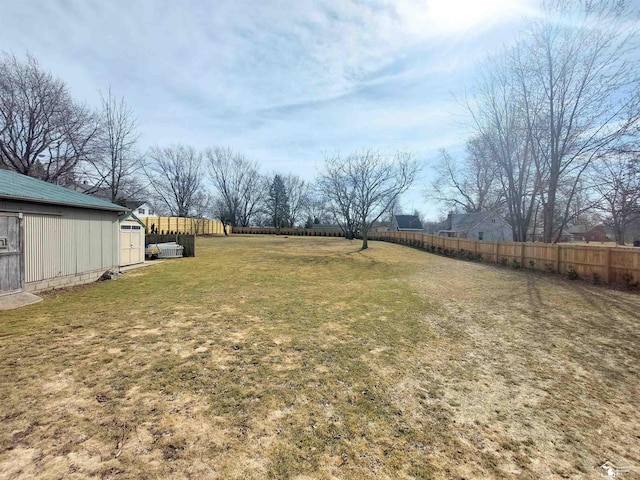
(271, 357)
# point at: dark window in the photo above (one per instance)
(480, 235)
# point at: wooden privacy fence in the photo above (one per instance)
(196, 226)
(304, 232)
(619, 265)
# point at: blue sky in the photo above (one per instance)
(281, 81)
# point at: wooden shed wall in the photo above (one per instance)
(65, 241)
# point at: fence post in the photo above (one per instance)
(497, 249)
(607, 265)
(558, 258)
(522, 254)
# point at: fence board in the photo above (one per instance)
(307, 232)
(611, 264)
(195, 226)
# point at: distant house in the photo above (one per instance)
(536, 234)
(327, 229)
(140, 208)
(597, 234)
(380, 227)
(405, 223)
(577, 233)
(487, 226)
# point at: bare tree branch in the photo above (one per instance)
(43, 132)
(239, 186)
(364, 185)
(175, 176)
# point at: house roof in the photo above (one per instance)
(15, 186)
(133, 204)
(411, 222)
(577, 229)
(463, 222)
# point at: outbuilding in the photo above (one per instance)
(132, 233)
(51, 236)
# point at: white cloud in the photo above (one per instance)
(281, 81)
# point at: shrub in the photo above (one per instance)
(571, 272)
(629, 282)
(532, 264)
(504, 261)
(597, 279)
(549, 268)
(515, 264)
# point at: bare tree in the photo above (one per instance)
(239, 186)
(202, 209)
(362, 187)
(116, 167)
(616, 179)
(578, 79)
(498, 114)
(175, 176)
(555, 102)
(316, 208)
(43, 132)
(298, 197)
(471, 185)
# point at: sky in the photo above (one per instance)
(282, 82)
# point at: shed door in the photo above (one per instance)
(11, 275)
(131, 244)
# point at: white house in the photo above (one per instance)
(487, 226)
(141, 209)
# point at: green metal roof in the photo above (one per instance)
(15, 186)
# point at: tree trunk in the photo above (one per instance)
(619, 232)
(365, 239)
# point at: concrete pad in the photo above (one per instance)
(148, 263)
(17, 300)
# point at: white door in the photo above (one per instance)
(131, 244)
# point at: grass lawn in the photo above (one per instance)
(273, 357)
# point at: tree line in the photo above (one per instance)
(46, 134)
(556, 119)
(555, 141)
(352, 192)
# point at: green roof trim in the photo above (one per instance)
(15, 186)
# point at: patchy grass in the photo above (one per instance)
(272, 357)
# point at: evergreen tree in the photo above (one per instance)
(278, 203)
(309, 222)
